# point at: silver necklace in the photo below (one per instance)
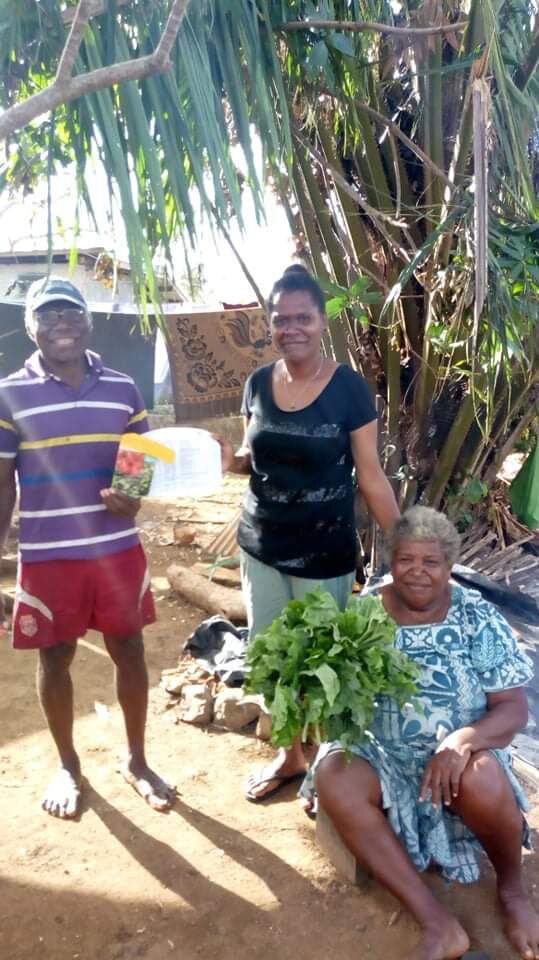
(293, 403)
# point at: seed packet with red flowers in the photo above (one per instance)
(135, 461)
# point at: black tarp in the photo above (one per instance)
(116, 337)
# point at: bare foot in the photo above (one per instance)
(521, 923)
(62, 796)
(445, 940)
(157, 792)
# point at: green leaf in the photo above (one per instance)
(360, 286)
(332, 288)
(475, 490)
(335, 306)
(318, 58)
(342, 43)
(330, 682)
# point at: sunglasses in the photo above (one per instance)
(73, 315)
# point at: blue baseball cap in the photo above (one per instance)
(49, 289)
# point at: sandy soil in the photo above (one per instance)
(217, 876)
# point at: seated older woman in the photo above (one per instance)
(434, 784)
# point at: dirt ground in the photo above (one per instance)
(215, 877)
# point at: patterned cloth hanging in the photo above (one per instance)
(211, 355)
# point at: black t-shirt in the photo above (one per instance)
(298, 514)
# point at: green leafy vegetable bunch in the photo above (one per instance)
(321, 670)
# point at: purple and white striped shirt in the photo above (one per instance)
(64, 443)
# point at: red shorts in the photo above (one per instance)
(57, 601)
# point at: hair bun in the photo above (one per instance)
(296, 269)
(297, 279)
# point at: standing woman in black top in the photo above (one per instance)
(309, 422)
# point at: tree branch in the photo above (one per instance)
(74, 87)
(377, 216)
(394, 127)
(527, 69)
(364, 26)
(97, 7)
(74, 40)
(170, 32)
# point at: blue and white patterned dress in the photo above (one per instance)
(473, 652)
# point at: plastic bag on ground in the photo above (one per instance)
(220, 647)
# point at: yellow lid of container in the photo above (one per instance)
(142, 444)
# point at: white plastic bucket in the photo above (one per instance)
(196, 471)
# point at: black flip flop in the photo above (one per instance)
(282, 779)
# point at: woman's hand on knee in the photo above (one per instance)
(443, 773)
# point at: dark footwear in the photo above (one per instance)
(282, 780)
(475, 955)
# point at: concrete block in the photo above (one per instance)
(263, 727)
(175, 683)
(196, 704)
(235, 711)
(331, 844)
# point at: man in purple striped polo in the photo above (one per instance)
(81, 564)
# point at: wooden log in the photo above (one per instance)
(470, 551)
(226, 576)
(499, 558)
(527, 566)
(211, 597)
